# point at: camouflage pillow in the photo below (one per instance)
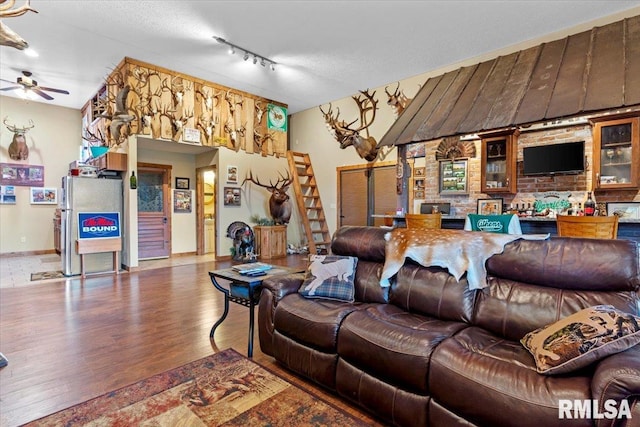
(582, 338)
(330, 277)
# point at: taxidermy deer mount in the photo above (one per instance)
(346, 135)
(18, 149)
(279, 205)
(397, 100)
(7, 36)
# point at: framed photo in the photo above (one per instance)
(454, 178)
(232, 174)
(419, 172)
(44, 196)
(415, 150)
(232, 196)
(182, 183)
(182, 201)
(24, 175)
(490, 206)
(626, 210)
(418, 194)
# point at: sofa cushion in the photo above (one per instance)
(312, 322)
(492, 381)
(582, 338)
(392, 344)
(330, 277)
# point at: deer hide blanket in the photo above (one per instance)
(458, 251)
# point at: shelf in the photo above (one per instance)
(616, 164)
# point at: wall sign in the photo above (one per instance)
(98, 225)
(276, 118)
(25, 175)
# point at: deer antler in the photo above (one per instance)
(279, 185)
(93, 138)
(366, 105)
(16, 129)
(6, 12)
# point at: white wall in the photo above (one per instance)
(53, 143)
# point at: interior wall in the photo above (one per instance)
(308, 132)
(53, 142)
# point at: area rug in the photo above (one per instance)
(44, 275)
(225, 389)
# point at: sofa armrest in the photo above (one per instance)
(282, 285)
(273, 290)
(617, 377)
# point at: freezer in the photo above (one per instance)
(82, 195)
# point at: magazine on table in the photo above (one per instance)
(252, 268)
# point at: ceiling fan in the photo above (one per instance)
(27, 84)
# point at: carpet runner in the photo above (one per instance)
(224, 389)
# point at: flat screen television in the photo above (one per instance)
(554, 159)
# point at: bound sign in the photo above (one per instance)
(98, 225)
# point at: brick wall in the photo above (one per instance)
(578, 184)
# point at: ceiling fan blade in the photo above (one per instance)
(50, 89)
(11, 88)
(8, 81)
(41, 93)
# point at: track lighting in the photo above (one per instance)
(246, 53)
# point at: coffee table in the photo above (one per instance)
(243, 290)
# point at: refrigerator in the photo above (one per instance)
(80, 194)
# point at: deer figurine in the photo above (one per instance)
(279, 204)
(346, 135)
(18, 149)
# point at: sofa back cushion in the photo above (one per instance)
(534, 283)
(367, 244)
(432, 291)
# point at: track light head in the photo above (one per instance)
(255, 59)
(273, 66)
(246, 56)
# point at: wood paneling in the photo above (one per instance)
(584, 73)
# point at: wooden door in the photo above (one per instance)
(353, 197)
(154, 211)
(385, 198)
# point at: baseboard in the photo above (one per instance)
(28, 253)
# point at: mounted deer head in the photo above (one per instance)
(235, 133)
(18, 149)
(397, 100)
(260, 139)
(231, 100)
(346, 135)
(8, 37)
(279, 205)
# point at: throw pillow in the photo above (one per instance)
(582, 338)
(330, 277)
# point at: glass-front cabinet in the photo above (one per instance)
(616, 153)
(499, 162)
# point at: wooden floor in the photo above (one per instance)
(72, 340)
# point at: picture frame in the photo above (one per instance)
(419, 172)
(454, 177)
(490, 206)
(232, 174)
(21, 175)
(418, 194)
(44, 196)
(182, 201)
(232, 196)
(182, 183)
(624, 210)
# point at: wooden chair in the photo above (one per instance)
(594, 227)
(429, 221)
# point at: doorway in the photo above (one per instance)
(206, 206)
(365, 190)
(154, 211)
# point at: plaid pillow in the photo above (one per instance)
(330, 277)
(582, 338)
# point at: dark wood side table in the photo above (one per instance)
(244, 290)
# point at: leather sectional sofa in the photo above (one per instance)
(429, 352)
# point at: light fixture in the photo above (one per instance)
(246, 53)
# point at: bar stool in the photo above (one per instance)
(429, 221)
(594, 227)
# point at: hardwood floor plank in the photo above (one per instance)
(72, 340)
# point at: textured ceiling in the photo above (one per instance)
(326, 50)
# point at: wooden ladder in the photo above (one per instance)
(309, 203)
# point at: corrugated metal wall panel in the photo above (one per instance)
(605, 82)
(632, 57)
